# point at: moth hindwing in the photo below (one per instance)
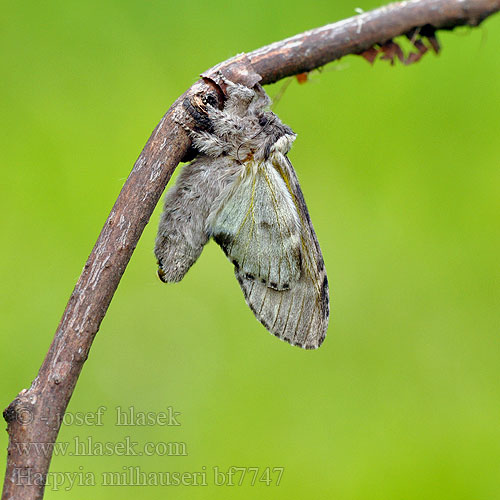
(242, 191)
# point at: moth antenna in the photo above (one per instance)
(251, 139)
(238, 153)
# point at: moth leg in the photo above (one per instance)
(260, 101)
(208, 143)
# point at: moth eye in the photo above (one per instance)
(263, 120)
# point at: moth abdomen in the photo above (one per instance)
(175, 260)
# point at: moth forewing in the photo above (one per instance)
(298, 315)
(258, 227)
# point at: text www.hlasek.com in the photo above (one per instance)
(89, 447)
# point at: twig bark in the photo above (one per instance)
(36, 413)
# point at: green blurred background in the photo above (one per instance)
(400, 169)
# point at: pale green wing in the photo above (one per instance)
(258, 228)
(299, 315)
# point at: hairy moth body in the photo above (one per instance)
(243, 192)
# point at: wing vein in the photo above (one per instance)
(274, 199)
(277, 312)
(287, 317)
(300, 317)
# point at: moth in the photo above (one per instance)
(242, 191)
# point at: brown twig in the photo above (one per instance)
(35, 414)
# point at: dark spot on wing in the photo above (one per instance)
(321, 264)
(324, 297)
(299, 258)
(266, 326)
(274, 285)
(235, 264)
(249, 276)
